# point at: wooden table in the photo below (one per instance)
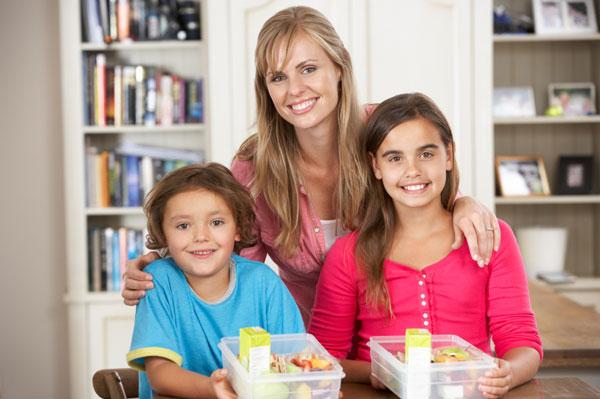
(570, 332)
(543, 388)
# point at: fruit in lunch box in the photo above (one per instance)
(271, 390)
(450, 354)
(303, 391)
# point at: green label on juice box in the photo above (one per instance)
(255, 349)
(417, 349)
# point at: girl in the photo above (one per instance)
(303, 164)
(399, 270)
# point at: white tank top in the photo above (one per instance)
(329, 231)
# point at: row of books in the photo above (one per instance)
(108, 251)
(108, 21)
(123, 176)
(119, 95)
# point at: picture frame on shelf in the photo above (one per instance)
(573, 99)
(556, 17)
(516, 101)
(575, 175)
(521, 175)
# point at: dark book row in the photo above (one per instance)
(108, 21)
(117, 95)
(108, 251)
(122, 177)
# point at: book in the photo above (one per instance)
(167, 153)
(133, 180)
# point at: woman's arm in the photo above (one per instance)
(167, 378)
(517, 366)
(480, 227)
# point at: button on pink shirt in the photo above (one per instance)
(451, 296)
(299, 272)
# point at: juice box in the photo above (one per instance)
(255, 350)
(417, 347)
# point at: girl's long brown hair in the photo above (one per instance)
(274, 149)
(378, 214)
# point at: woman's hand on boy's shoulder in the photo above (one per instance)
(135, 281)
(221, 385)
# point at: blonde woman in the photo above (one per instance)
(302, 166)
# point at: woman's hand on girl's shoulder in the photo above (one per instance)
(135, 281)
(479, 226)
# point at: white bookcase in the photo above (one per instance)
(99, 323)
(536, 61)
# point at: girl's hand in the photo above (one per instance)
(479, 226)
(221, 385)
(135, 281)
(497, 381)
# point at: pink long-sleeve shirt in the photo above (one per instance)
(451, 296)
(299, 272)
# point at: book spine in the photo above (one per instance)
(147, 175)
(118, 95)
(123, 20)
(150, 103)
(116, 268)
(104, 23)
(140, 74)
(133, 181)
(112, 20)
(101, 89)
(166, 103)
(108, 242)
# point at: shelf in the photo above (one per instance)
(94, 297)
(540, 120)
(143, 46)
(549, 200)
(114, 211)
(524, 38)
(188, 127)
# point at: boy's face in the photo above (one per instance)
(412, 162)
(201, 232)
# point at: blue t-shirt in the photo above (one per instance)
(172, 322)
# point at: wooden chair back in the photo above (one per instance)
(116, 383)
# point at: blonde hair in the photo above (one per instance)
(378, 214)
(274, 149)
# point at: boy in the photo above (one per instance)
(203, 291)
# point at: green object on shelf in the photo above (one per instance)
(554, 110)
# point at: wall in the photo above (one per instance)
(33, 341)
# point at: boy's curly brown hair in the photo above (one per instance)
(212, 177)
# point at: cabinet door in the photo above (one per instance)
(109, 328)
(431, 46)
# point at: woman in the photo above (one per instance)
(303, 165)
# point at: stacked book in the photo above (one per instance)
(108, 21)
(109, 249)
(117, 95)
(123, 176)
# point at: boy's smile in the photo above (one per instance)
(200, 231)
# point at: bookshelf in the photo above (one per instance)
(535, 60)
(99, 323)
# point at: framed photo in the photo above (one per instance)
(575, 99)
(575, 175)
(564, 16)
(521, 176)
(513, 102)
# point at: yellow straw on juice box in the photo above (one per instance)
(255, 349)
